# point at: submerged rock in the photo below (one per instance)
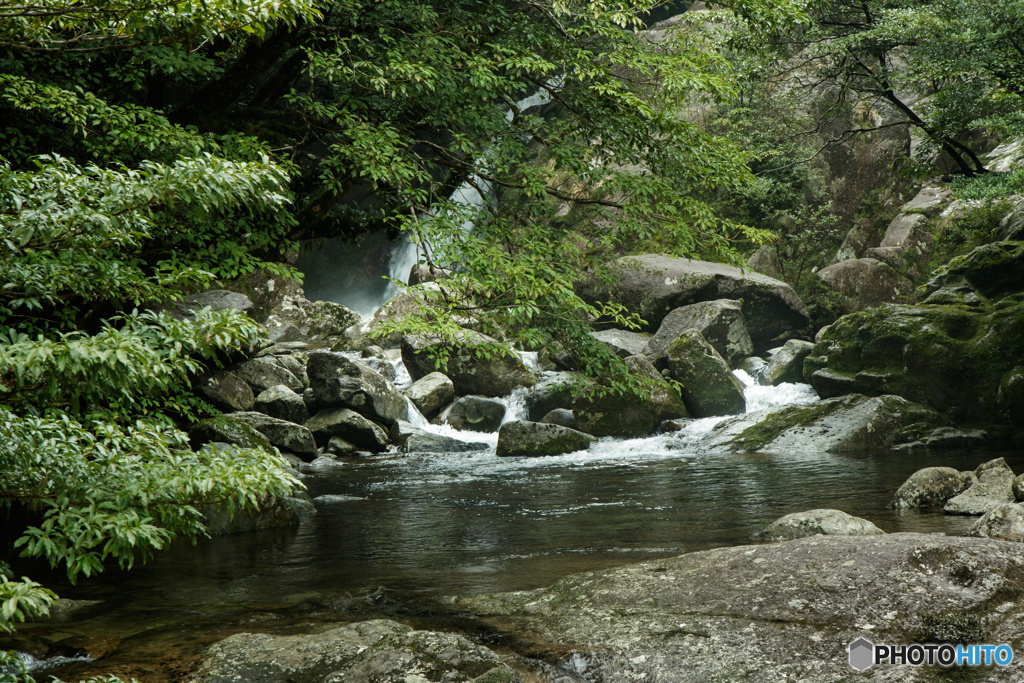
(931, 487)
(470, 372)
(740, 614)
(823, 522)
(839, 425)
(653, 285)
(283, 403)
(431, 392)
(338, 380)
(993, 487)
(474, 413)
(719, 322)
(378, 650)
(539, 439)
(708, 386)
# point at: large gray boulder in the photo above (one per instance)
(719, 322)
(265, 372)
(787, 365)
(474, 413)
(539, 439)
(622, 343)
(865, 283)
(298, 319)
(431, 392)
(285, 435)
(350, 426)
(847, 424)
(824, 522)
(932, 487)
(929, 201)
(366, 651)
(215, 299)
(469, 372)
(225, 391)
(339, 381)
(1005, 522)
(553, 391)
(907, 243)
(563, 418)
(603, 413)
(709, 387)
(740, 613)
(283, 403)
(994, 487)
(653, 285)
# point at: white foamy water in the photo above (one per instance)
(515, 405)
(761, 398)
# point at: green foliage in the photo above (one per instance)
(989, 187)
(21, 600)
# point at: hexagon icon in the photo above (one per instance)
(862, 654)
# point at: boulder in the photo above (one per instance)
(906, 246)
(931, 487)
(283, 403)
(719, 322)
(991, 270)
(623, 343)
(426, 442)
(339, 381)
(431, 392)
(225, 391)
(473, 413)
(298, 319)
(401, 431)
(365, 651)
(562, 418)
(339, 447)
(948, 439)
(1005, 523)
(537, 439)
(848, 424)
(994, 487)
(215, 299)
(865, 283)
(653, 285)
(422, 272)
(603, 413)
(709, 387)
(862, 236)
(551, 392)
(740, 613)
(952, 358)
(787, 365)
(766, 261)
(265, 372)
(227, 429)
(929, 201)
(823, 522)
(1018, 487)
(475, 374)
(350, 426)
(285, 435)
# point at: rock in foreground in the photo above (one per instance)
(779, 612)
(378, 650)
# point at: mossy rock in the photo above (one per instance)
(993, 270)
(952, 358)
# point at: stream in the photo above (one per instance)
(396, 532)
